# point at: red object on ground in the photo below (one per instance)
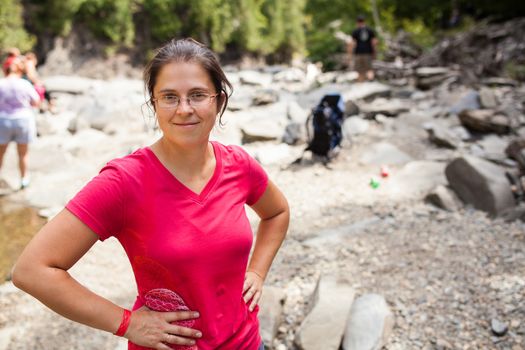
(384, 171)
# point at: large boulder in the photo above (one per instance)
(480, 183)
(485, 120)
(468, 100)
(369, 324)
(324, 326)
(271, 312)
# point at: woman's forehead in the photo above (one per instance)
(183, 76)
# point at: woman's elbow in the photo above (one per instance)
(22, 275)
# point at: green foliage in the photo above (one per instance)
(55, 16)
(163, 18)
(422, 35)
(12, 32)
(110, 19)
(273, 28)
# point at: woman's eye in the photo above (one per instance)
(170, 98)
(198, 96)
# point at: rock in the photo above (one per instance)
(426, 83)
(369, 325)
(290, 75)
(431, 71)
(348, 77)
(354, 126)
(273, 153)
(77, 124)
(428, 77)
(441, 136)
(389, 108)
(480, 183)
(487, 98)
(469, 100)
(351, 108)
(444, 198)
(296, 113)
(516, 150)
(251, 77)
(415, 179)
(485, 120)
(271, 312)
(493, 148)
(261, 130)
(324, 326)
(498, 328)
(294, 133)
(384, 153)
(500, 82)
(265, 97)
(69, 84)
(364, 91)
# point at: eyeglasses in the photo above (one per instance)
(195, 100)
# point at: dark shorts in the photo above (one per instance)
(362, 62)
(261, 347)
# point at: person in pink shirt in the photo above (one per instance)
(178, 209)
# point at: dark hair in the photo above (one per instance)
(188, 50)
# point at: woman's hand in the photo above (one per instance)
(154, 330)
(252, 289)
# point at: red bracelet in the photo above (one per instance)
(124, 324)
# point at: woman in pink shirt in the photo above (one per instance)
(178, 209)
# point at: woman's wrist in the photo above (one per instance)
(257, 273)
(124, 323)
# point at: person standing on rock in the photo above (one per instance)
(17, 118)
(178, 209)
(363, 49)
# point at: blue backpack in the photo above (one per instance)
(325, 120)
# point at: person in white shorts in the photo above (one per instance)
(17, 119)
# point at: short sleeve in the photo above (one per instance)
(100, 204)
(257, 179)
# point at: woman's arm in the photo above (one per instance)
(41, 271)
(274, 212)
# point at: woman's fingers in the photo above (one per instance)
(184, 331)
(180, 315)
(248, 294)
(174, 339)
(255, 300)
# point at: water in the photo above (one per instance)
(18, 224)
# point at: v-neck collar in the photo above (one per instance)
(184, 190)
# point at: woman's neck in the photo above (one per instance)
(189, 160)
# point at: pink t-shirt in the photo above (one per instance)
(194, 244)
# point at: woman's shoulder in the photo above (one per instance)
(234, 152)
(133, 163)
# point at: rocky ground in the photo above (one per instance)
(451, 278)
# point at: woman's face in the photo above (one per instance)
(189, 123)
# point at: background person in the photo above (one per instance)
(178, 209)
(17, 118)
(363, 47)
(31, 75)
(12, 53)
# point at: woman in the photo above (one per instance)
(177, 207)
(17, 119)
